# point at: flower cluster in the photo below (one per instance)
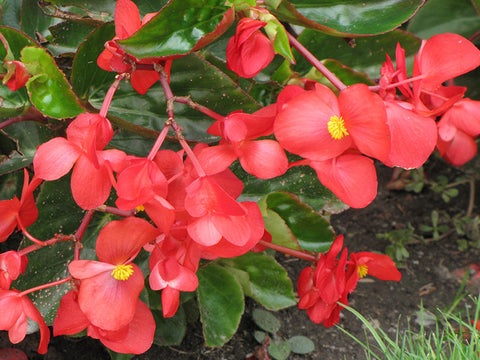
(324, 287)
(191, 197)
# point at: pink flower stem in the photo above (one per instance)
(110, 93)
(394, 85)
(20, 118)
(27, 234)
(316, 63)
(44, 286)
(171, 119)
(186, 100)
(161, 137)
(57, 238)
(80, 232)
(299, 254)
(115, 211)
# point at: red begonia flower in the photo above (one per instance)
(16, 309)
(320, 289)
(227, 249)
(317, 126)
(11, 266)
(91, 181)
(264, 159)
(249, 51)
(143, 183)
(412, 137)
(456, 132)
(215, 214)
(127, 22)
(135, 338)
(24, 209)
(110, 287)
(17, 75)
(350, 176)
(367, 263)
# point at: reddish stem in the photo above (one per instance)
(186, 100)
(110, 93)
(57, 238)
(44, 286)
(20, 118)
(315, 62)
(161, 137)
(115, 211)
(192, 157)
(80, 232)
(299, 254)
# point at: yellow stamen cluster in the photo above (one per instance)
(336, 127)
(140, 208)
(122, 272)
(362, 270)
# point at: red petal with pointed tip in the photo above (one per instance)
(8, 217)
(69, 320)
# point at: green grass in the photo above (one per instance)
(453, 338)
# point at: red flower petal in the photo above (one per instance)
(351, 177)
(70, 319)
(366, 120)
(55, 158)
(264, 159)
(127, 19)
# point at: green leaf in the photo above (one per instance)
(301, 344)
(27, 136)
(266, 321)
(347, 17)
(221, 304)
(300, 180)
(48, 88)
(68, 35)
(312, 231)
(87, 76)
(181, 27)
(279, 349)
(117, 356)
(11, 13)
(170, 331)
(269, 283)
(278, 34)
(445, 16)
(365, 54)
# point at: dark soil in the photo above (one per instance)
(429, 275)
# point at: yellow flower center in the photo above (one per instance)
(336, 127)
(362, 270)
(122, 272)
(140, 208)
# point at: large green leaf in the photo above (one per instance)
(445, 16)
(27, 136)
(313, 232)
(170, 331)
(87, 76)
(221, 304)
(48, 88)
(300, 180)
(364, 55)
(268, 282)
(179, 28)
(347, 17)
